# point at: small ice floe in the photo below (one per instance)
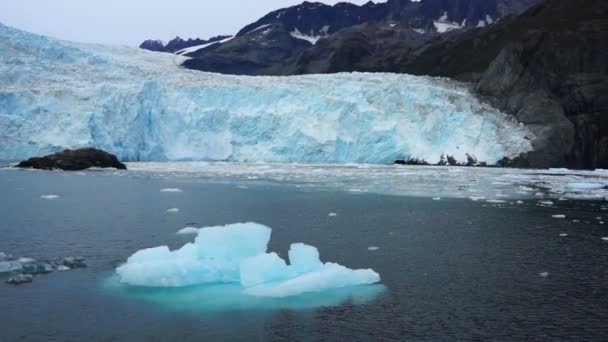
(20, 279)
(63, 268)
(546, 203)
(242, 187)
(373, 248)
(171, 190)
(544, 274)
(25, 260)
(605, 238)
(576, 221)
(49, 197)
(562, 199)
(477, 198)
(559, 216)
(563, 235)
(173, 210)
(188, 231)
(496, 201)
(601, 222)
(332, 214)
(520, 202)
(585, 186)
(436, 198)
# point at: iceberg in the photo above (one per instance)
(143, 106)
(237, 254)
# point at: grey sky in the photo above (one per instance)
(129, 22)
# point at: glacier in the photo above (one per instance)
(237, 253)
(143, 106)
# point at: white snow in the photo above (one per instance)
(443, 25)
(202, 46)
(173, 210)
(49, 197)
(171, 190)
(237, 253)
(258, 28)
(311, 38)
(143, 106)
(189, 230)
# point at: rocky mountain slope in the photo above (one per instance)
(264, 46)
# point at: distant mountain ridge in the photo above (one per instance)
(263, 46)
(178, 44)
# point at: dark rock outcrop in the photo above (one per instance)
(317, 38)
(74, 160)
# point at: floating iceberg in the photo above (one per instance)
(237, 254)
(143, 106)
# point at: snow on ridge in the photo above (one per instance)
(143, 105)
(202, 46)
(313, 39)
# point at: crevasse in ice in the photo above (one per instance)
(237, 253)
(143, 105)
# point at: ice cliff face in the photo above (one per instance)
(142, 105)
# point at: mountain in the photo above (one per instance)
(177, 45)
(548, 67)
(141, 105)
(264, 46)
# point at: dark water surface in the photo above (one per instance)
(452, 269)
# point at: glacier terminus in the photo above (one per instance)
(143, 106)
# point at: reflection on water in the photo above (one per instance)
(230, 297)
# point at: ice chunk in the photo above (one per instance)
(237, 254)
(495, 201)
(373, 248)
(173, 210)
(329, 276)
(605, 238)
(586, 186)
(436, 198)
(544, 274)
(559, 216)
(332, 214)
(49, 197)
(563, 235)
(215, 256)
(171, 190)
(546, 202)
(189, 230)
(10, 266)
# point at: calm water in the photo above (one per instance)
(452, 269)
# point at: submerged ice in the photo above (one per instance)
(238, 254)
(143, 106)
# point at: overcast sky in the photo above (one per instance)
(129, 22)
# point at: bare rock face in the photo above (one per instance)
(74, 160)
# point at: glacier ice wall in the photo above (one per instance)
(237, 253)
(142, 105)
